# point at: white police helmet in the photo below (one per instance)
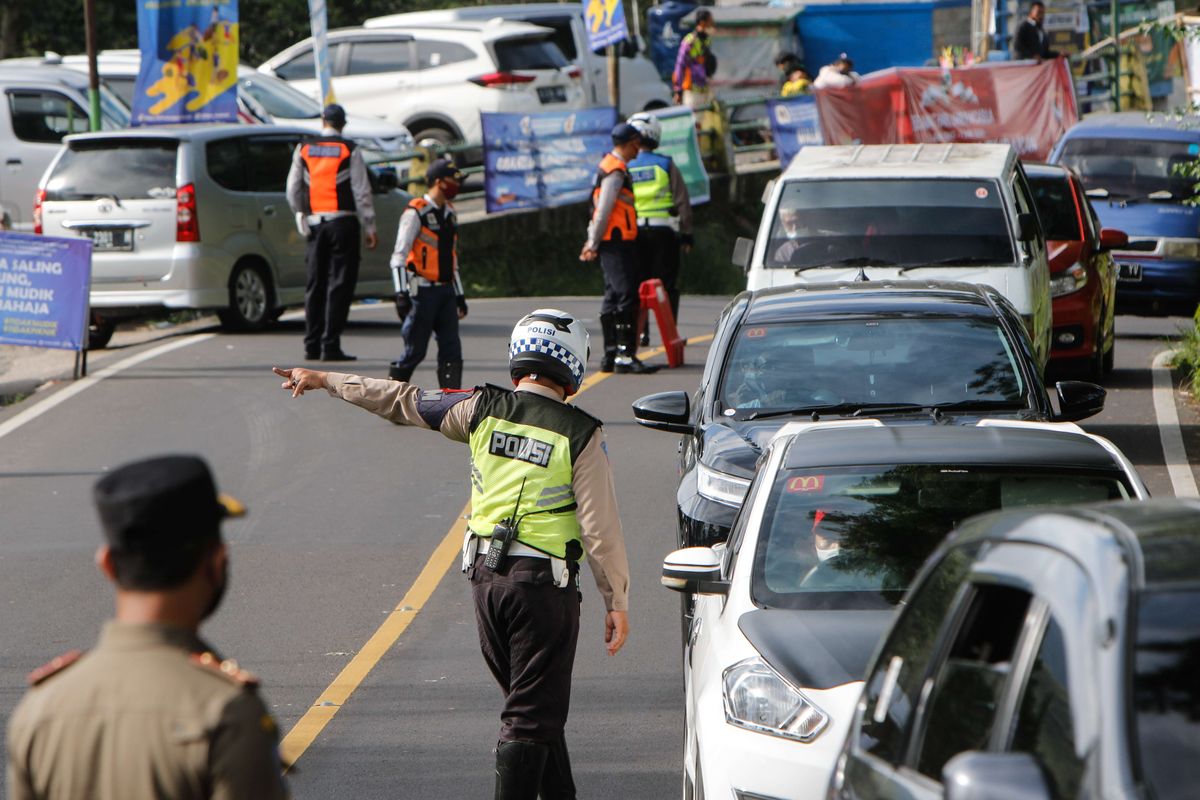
(648, 127)
(551, 343)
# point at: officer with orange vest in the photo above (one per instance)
(429, 293)
(330, 193)
(611, 234)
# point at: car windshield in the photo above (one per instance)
(1055, 203)
(1166, 691)
(1131, 168)
(279, 99)
(909, 222)
(113, 113)
(123, 86)
(528, 53)
(854, 537)
(125, 169)
(920, 360)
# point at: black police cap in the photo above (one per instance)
(335, 115)
(443, 168)
(163, 502)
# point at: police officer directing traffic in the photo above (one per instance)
(152, 711)
(429, 293)
(610, 238)
(329, 190)
(664, 210)
(541, 497)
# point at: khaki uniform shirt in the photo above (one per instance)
(592, 481)
(144, 716)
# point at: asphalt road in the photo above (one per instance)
(345, 513)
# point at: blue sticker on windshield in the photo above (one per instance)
(1193, 149)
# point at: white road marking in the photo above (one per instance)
(1174, 453)
(55, 400)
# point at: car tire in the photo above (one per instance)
(1109, 360)
(1095, 364)
(442, 136)
(251, 298)
(100, 332)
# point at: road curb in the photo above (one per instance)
(1166, 414)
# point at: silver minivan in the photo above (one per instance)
(193, 217)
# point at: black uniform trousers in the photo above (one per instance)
(621, 283)
(657, 251)
(334, 248)
(434, 310)
(528, 629)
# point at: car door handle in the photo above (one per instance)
(13, 162)
(268, 211)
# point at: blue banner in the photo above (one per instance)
(543, 160)
(44, 285)
(319, 24)
(794, 125)
(605, 22)
(189, 62)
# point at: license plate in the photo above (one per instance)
(1131, 273)
(552, 94)
(110, 238)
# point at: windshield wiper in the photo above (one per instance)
(867, 409)
(856, 261)
(959, 261)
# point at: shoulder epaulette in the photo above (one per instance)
(53, 667)
(228, 669)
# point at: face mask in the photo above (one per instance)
(826, 553)
(450, 190)
(218, 594)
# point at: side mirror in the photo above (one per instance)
(1079, 400)
(694, 570)
(742, 250)
(1026, 227)
(1112, 239)
(665, 411)
(994, 776)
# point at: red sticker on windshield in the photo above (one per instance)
(981, 193)
(756, 333)
(806, 483)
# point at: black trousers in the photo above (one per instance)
(620, 278)
(334, 249)
(435, 310)
(657, 252)
(528, 629)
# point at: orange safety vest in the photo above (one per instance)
(623, 219)
(433, 251)
(327, 162)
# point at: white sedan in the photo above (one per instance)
(835, 526)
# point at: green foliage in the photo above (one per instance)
(1187, 353)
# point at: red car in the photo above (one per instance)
(1083, 275)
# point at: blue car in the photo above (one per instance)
(1129, 164)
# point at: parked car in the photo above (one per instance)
(1129, 166)
(1083, 275)
(1047, 653)
(193, 217)
(642, 88)
(957, 212)
(915, 352)
(40, 106)
(839, 519)
(435, 80)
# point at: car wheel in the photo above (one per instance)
(442, 136)
(251, 299)
(1109, 360)
(1095, 364)
(100, 332)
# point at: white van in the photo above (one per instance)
(642, 88)
(956, 212)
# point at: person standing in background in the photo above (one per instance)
(1031, 40)
(694, 63)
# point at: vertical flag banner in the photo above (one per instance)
(605, 22)
(543, 160)
(680, 143)
(319, 24)
(189, 62)
(794, 125)
(44, 285)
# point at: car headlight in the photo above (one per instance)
(721, 486)
(1073, 279)
(758, 699)
(1188, 249)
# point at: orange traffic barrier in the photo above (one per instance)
(654, 298)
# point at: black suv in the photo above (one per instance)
(926, 353)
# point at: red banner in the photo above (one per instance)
(1026, 105)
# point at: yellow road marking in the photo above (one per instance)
(309, 727)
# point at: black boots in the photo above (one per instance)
(519, 767)
(608, 324)
(627, 343)
(400, 373)
(557, 783)
(450, 374)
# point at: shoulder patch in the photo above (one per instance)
(53, 667)
(228, 669)
(433, 406)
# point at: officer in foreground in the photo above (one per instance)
(664, 210)
(541, 496)
(330, 192)
(610, 239)
(152, 711)
(429, 293)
